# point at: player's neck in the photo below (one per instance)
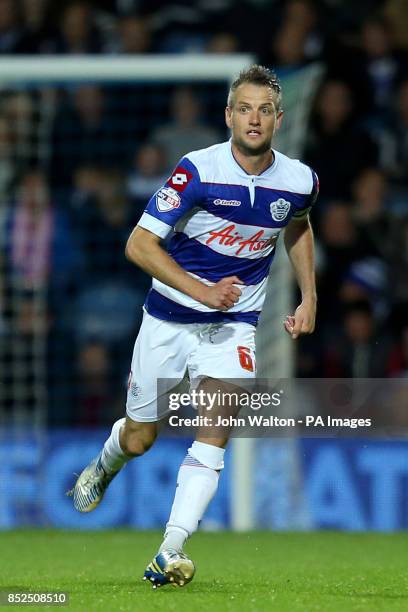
(253, 164)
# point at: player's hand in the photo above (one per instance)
(303, 321)
(223, 295)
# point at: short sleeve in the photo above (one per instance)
(302, 213)
(179, 194)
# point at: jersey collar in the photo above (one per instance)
(243, 173)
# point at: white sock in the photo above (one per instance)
(113, 458)
(197, 483)
(174, 538)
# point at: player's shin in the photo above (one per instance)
(113, 458)
(197, 483)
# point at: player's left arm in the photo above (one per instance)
(299, 243)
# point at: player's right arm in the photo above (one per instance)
(167, 206)
(143, 249)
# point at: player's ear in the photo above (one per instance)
(279, 120)
(228, 112)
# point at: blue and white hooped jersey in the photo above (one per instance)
(226, 223)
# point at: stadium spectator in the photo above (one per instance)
(14, 37)
(396, 15)
(243, 19)
(382, 233)
(85, 189)
(20, 111)
(104, 226)
(359, 351)
(382, 63)
(41, 251)
(373, 220)
(133, 35)
(288, 49)
(185, 131)
(78, 33)
(296, 39)
(223, 42)
(335, 137)
(394, 138)
(367, 279)
(85, 131)
(42, 261)
(147, 175)
(303, 15)
(36, 16)
(178, 27)
(340, 248)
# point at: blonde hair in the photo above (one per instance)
(257, 75)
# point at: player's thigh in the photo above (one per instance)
(159, 362)
(221, 365)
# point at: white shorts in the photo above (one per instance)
(167, 350)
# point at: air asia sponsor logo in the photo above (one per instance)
(279, 209)
(219, 202)
(229, 237)
(180, 179)
(167, 199)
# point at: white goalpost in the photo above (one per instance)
(189, 68)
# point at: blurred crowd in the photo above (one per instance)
(78, 165)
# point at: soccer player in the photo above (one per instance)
(227, 204)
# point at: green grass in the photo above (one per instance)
(250, 572)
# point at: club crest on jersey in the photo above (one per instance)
(279, 209)
(167, 199)
(180, 178)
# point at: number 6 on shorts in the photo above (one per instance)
(245, 359)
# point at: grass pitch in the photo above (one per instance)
(250, 572)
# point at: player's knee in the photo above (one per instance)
(136, 443)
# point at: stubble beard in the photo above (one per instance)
(249, 151)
